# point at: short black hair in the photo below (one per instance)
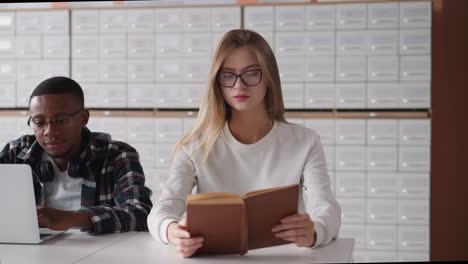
(59, 85)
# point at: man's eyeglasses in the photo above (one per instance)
(249, 78)
(61, 121)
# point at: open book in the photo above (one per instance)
(232, 224)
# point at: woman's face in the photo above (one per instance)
(248, 90)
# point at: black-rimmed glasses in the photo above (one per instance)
(249, 78)
(60, 121)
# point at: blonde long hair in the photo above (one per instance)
(214, 111)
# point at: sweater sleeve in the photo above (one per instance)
(171, 205)
(131, 197)
(319, 200)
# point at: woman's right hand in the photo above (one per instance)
(179, 237)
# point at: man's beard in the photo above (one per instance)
(59, 156)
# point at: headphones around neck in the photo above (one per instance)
(47, 173)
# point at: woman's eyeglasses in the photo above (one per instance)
(249, 78)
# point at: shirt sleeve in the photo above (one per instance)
(171, 205)
(7, 155)
(319, 200)
(131, 198)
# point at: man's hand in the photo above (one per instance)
(56, 219)
(179, 237)
(297, 228)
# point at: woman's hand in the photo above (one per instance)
(179, 237)
(297, 228)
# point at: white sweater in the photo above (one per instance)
(288, 154)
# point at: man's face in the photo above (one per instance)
(57, 122)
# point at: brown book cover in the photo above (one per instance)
(233, 224)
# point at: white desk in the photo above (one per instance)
(73, 247)
(142, 249)
(69, 247)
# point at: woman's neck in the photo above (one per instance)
(250, 127)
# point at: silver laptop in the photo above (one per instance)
(18, 223)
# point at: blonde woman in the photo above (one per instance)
(241, 142)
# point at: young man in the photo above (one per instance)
(81, 179)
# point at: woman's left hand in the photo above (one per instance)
(297, 228)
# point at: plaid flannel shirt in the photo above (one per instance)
(113, 193)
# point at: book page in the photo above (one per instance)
(266, 209)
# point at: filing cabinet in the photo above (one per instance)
(8, 70)
(7, 46)
(55, 22)
(350, 95)
(351, 69)
(413, 212)
(169, 44)
(290, 43)
(57, 47)
(85, 47)
(320, 43)
(382, 15)
(112, 21)
(415, 41)
(141, 129)
(289, 18)
(85, 22)
(140, 20)
(197, 19)
(259, 18)
(382, 42)
(353, 210)
(382, 132)
(140, 70)
(350, 158)
(141, 95)
(382, 185)
(29, 22)
(29, 47)
(224, 19)
(383, 95)
(293, 95)
(350, 184)
(320, 69)
(415, 14)
(168, 130)
(85, 71)
(381, 158)
(351, 42)
(381, 212)
(169, 20)
(351, 16)
(415, 68)
(7, 24)
(320, 95)
(113, 46)
(381, 237)
(413, 238)
(8, 98)
(415, 94)
(113, 70)
(140, 46)
(320, 17)
(112, 95)
(350, 132)
(413, 185)
(382, 68)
